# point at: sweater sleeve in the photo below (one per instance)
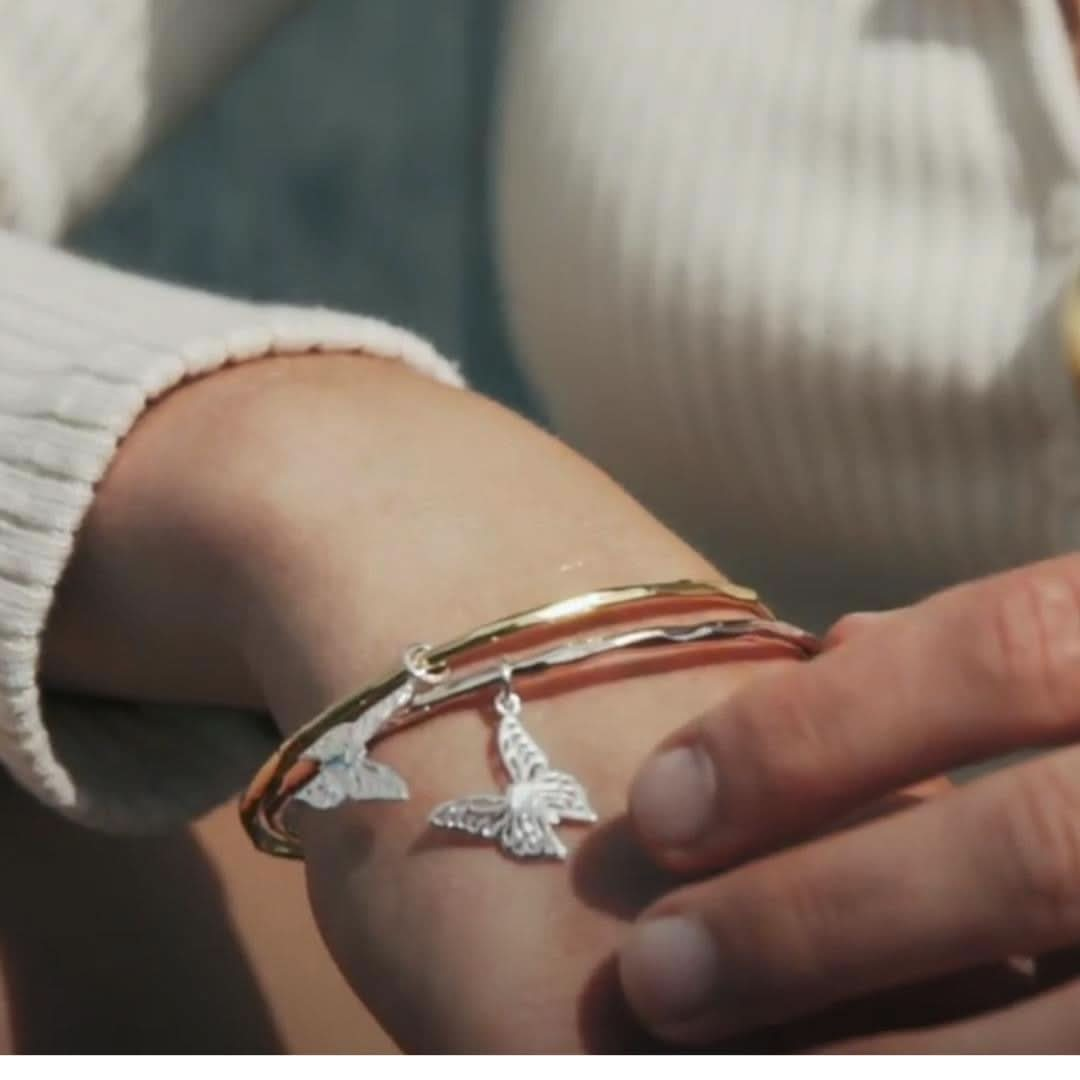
(84, 89)
(83, 350)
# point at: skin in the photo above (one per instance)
(989, 872)
(257, 544)
(198, 961)
(242, 563)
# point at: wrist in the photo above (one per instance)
(451, 944)
(414, 513)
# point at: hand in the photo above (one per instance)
(988, 872)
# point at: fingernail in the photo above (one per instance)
(669, 971)
(672, 797)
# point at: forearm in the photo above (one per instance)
(332, 512)
(256, 508)
(459, 513)
(414, 513)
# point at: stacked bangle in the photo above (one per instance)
(326, 762)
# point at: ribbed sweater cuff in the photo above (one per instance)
(83, 350)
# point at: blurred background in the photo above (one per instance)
(344, 164)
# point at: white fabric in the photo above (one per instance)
(790, 270)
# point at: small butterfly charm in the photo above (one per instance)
(347, 772)
(522, 820)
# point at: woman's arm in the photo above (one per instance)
(276, 534)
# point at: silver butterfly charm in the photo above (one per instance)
(347, 772)
(522, 820)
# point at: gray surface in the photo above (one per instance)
(344, 164)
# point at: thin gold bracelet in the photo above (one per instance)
(293, 767)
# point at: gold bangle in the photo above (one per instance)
(262, 805)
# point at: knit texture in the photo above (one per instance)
(84, 88)
(83, 349)
(792, 271)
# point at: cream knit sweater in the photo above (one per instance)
(791, 270)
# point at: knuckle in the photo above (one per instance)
(780, 743)
(815, 913)
(846, 627)
(1031, 652)
(1038, 822)
(856, 623)
(779, 932)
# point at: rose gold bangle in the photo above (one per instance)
(325, 762)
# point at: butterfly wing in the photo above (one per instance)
(478, 815)
(367, 780)
(520, 755)
(371, 721)
(361, 780)
(527, 835)
(564, 795)
(345, 740)
(327, 789)
(332, 746)
(347, 772)
(330, 786)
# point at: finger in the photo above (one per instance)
(1042, 1025)
(973, 672)
(990, 871)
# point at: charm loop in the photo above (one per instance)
(507, 700)
(416, 663)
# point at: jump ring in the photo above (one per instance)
(507, 699)
(415, 660)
